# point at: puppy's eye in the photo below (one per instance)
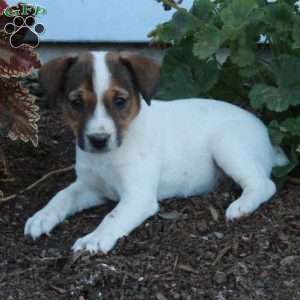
(77, 103)
(120, 102)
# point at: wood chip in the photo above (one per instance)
(57, 289)
(187, 269)
(160, 296)
(221, 254)
(214, 213)
(171, 215)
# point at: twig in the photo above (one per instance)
(188, 269)
(221, 254)
(293, 180)
(30, 187)
(3, 161)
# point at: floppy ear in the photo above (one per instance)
(145, 73)
(52, 76)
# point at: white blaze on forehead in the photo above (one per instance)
(101, 75)
(100, 121)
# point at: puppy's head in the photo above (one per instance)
(100, 93)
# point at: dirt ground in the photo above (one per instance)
(188, 251)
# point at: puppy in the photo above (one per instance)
(137, 154)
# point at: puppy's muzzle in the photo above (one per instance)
(99, 141)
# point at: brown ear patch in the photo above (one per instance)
(52, 75)
(121, 86)
(145, 73)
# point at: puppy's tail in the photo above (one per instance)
(280, 159)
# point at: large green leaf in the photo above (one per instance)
(280, 16)
(206, 75)
(176, 74)
(269, 96)
(184, 76)
(237, 13)
(296, 33)
(207, 41)
(184, 22)
(177, 84)
(292, 125)
(286, 69)
(179, 27)
(202, 9)
(163, 33)
(242, 52)
(276, 132)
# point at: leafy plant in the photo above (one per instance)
(246, 51)
(18, 112)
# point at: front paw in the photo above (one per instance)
(41, 223)
(95, 242)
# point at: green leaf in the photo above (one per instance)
(176, 74)
(207, 41)
(291, 95)
(269, 96)
(184, 22)
(206, 75)
(231, 33)
(248, 72)
(179, 27)
(202, 9)
(184, 76)
(286, 69)
(163, 33)
(237, 13)
(276, 132)
(242, 52)
(280, 17)
(296, 33)
(284, 171)
(292, 125)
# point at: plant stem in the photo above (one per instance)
(171, 4)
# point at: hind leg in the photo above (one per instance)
(239, 160)
(253, 195)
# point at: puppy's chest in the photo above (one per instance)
(100, 175)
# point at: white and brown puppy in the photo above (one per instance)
(137, 154)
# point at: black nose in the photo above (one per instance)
(98, 140)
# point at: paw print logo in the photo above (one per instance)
(24, 32)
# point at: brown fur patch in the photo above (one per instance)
(79, 82)
(121, 86)
(77, 119)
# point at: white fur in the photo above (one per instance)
(171, 149)
(101, 122)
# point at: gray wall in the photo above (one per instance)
(48, 51)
